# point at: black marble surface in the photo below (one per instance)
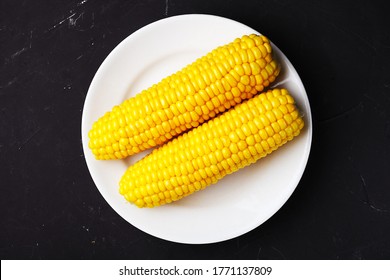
(50, 207)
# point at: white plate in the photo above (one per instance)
(238, 203)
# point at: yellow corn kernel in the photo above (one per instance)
(210, 85)
(201, 157)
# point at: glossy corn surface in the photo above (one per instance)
(223, 145)
(212, 84)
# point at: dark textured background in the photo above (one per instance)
(50, 207)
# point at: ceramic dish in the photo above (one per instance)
(239, 202)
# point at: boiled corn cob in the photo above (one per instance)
(218, 147)
(212, 84)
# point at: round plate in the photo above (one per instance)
(239, 202)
